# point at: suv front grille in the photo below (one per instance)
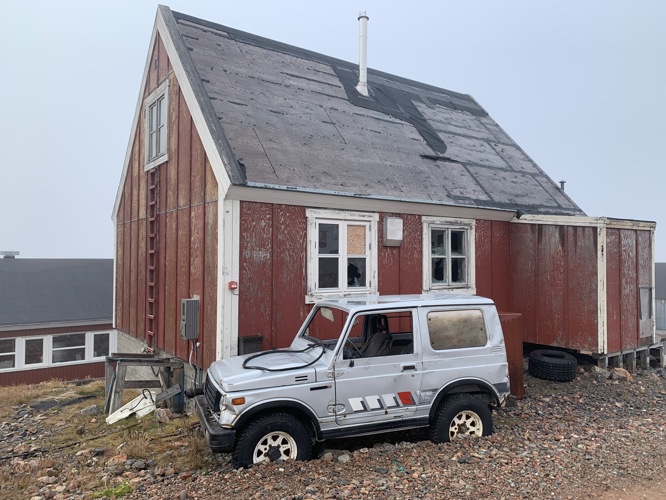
(212, 396)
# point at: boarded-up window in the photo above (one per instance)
(456, 329)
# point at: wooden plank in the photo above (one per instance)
(120, 277)
(184, 147)
(483, 258)
(132, 283)
(183, 276)
(141, 279)
(645, 266)
(163, 244)
(163, 63)
(256, 271)
(211, 183)
(198, 170)
(289, 233)
(411, 255)
(171, 167)
(551, 282)
(388, 262)
(629, 293)
(524, 293)
(127, 278)
(582, 288)
(168, 312)
(210, 329)
(500, 271)
(613, 291)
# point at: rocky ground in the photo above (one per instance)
(600, 436)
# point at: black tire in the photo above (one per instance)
(461, 415)
(278, 436)
(547, 364)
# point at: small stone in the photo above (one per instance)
(621, 374)
(163, 415)
(90, 410)
(344, 458)
(140, 465)
(328, 457)
(183, 495)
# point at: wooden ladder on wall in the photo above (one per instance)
(151, 264)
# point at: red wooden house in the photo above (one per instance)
(55, 318)
(258, 179)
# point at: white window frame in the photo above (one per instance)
(469, 227)
(47, 353)
(15, 353)
(162, 92)
(343, 218)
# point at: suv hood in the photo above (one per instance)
(231, 376)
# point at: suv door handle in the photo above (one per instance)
(408, 367)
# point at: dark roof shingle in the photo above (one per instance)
(293, 120)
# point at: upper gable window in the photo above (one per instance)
(342, 254)
(448, 256)
(156, 123)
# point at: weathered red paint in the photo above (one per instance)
(512, 326)
(69, 372)
(187, 243)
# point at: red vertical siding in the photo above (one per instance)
(501, 265)
(187, 245)
(289, 273)
(524, 291)
(401, 268)
(256, 271)
(613, 287)
(483, 258)
(628, 290)
(582, 288)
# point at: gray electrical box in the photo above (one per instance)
(189, 319)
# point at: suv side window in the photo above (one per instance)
(457, 329)
(386, 334)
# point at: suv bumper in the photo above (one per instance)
(220, 440)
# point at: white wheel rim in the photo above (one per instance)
(465, 423)
(280, 441)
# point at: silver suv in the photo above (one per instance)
(360, 366)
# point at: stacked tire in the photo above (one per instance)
(547, 364)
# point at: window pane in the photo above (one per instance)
(456, 329)
(458, 271)
(34, 351)
(7, 345)
(356, 272)
(356, 240)
(101, 345)
(439, 271)
(328, 239)
(6, 361)
(457, 242)
(66, 355)
(69, 340)
(328, 272)
(438, 242)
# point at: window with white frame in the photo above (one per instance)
(23, 353)
(342, 253)
(156, 119)
(448, 254)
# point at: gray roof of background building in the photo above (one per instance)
(660, 280)
(48, 291)
(289, 118)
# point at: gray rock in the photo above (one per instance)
(90, 410)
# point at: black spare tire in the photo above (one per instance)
(548, 364)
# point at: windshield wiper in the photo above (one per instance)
(309, 346)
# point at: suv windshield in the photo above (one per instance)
(326, 325)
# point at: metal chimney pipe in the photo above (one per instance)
(362, 86)
(562, 183)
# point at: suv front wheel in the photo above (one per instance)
(461, 415)
(278, 436)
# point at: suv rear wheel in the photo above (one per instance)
(461, 415)
(278, 436)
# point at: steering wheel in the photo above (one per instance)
(350, 351)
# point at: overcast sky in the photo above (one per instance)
(579, 85)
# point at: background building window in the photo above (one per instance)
(69, 347)
(7, 353)
(34, 351)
